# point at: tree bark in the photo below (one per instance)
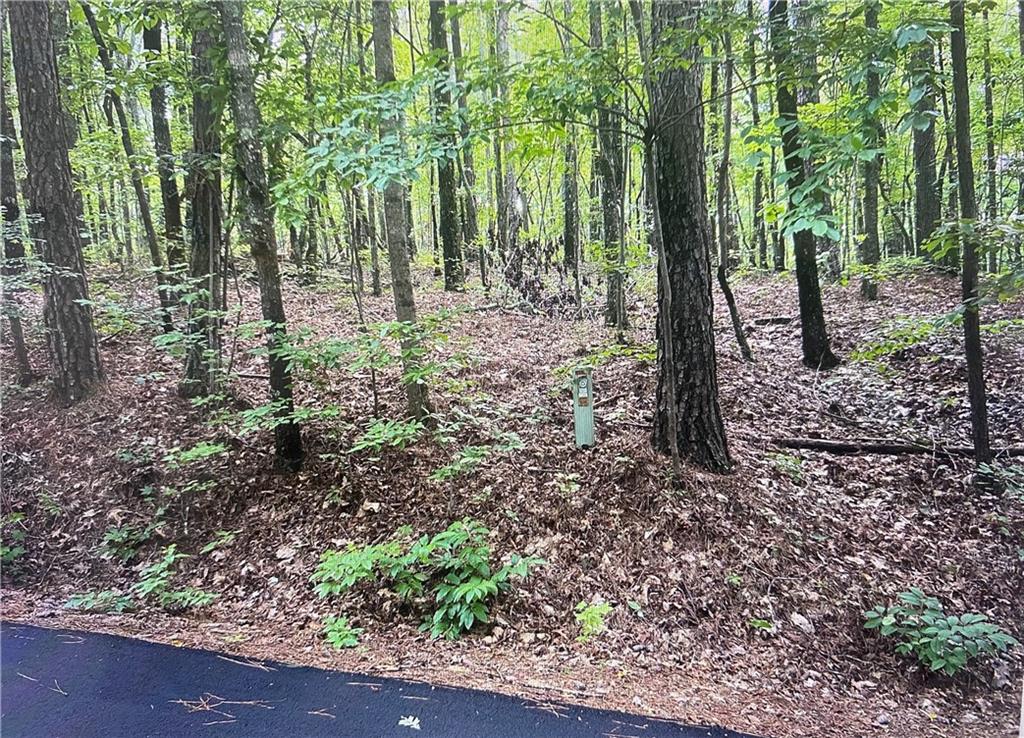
(152, 42)
(471, 228)
(448, 204)
(687, 365)
(814, 337)
(52, 206)
(394, 211)
(968, 211)
(258, 217)
(206, 268)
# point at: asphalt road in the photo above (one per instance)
(56, 683)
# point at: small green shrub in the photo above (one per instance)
(452, 568)
(220, 538)
(339, 633)
(1010, 477)
(791, 466)
(153, 585)
(12, 535)
(384, 433)
(178, 457)
(946, 643)
(123, 542)
(591, 618)
(469, 458)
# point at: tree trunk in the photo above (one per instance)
(927, 186)
(14, 245)
(52, 206)
(991, 191)
(610, 172)
(968, 211)
(448, 204)
(687, 368)
(394, 212)
(146, 215)
(870, 249)
(204, 190)
(814, 337)
(258, 217)
(471, 228)
(152, 42)
(757, 207)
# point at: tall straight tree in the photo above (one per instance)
(152, 41)
(14, 244)
(394, 208)
(53, 209)
(814, 338)
(470, 227)
(991, 192)
(206, 268)
(138, 184)
(870, 248)
(688, 419)
(448, 204)
(927, 187)
(258, 224)
(609, 166)
(968, 212)
(757, 206)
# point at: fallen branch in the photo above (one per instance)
(774, 320)
(887, 447)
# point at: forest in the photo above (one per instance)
(661, 356)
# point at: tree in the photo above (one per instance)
(609, 165)
(814, 337)
(52, 206)
(395, 228)
(992, 196)
(757, 205)
(206, 268)
(870, 249)
(927, 186)
(258, 223)
(152, 42)
(688, 419)
(969, 213)
(14, 246)
(141, 195)
(448, 222)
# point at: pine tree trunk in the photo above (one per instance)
(814, 337)
(52, 206)
(968, 211)
(394, 210)
(687, 367)
(152, 42)
(206, 266)
(258, 219)
(448, 203)
(870, 249)
(471, 227)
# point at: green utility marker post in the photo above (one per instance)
(583, 406)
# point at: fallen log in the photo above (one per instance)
(774, 320)
(890, 448)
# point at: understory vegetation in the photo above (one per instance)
(661, 355)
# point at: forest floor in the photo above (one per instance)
(738, 599)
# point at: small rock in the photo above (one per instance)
(802, 623)
(285, 553)
(527, 637)
(883, 719)
(969, 717)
